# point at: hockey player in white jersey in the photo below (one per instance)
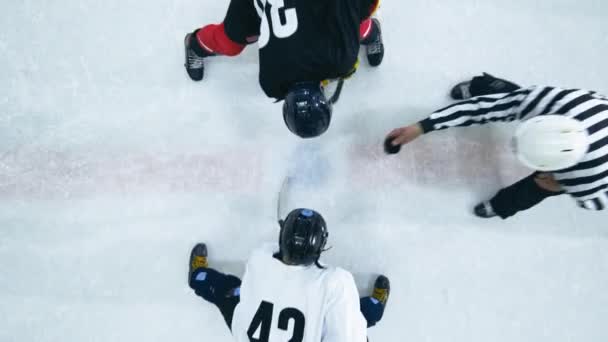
(563, 137)
(286, 294)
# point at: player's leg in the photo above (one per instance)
(220, 289)
(485, 84)
(520, 196)
(213, 285)
(372, 307)
(370, 35)
(227, 306)
(240, 27)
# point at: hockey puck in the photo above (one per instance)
(389, 148)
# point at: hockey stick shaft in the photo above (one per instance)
(281, 199)
(336, 96)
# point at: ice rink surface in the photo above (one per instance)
(113, 164)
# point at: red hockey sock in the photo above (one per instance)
(213, 38)
(365, 28)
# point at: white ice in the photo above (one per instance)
(113, 164)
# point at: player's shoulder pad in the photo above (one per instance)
(340, 278)
(266, 251)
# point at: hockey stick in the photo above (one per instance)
(281, 199)
(336, 96)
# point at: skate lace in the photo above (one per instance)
(498, 84)
(465, 89)
(375, 47)
(194, 61)
(380, 294)
(199, 262)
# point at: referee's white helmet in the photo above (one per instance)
(550, 142)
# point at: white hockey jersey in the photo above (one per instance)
(281, 303)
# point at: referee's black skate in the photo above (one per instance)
(374, 45)
(382, 290)
(195, 57)
(485, 84)
(198, 259)
(484, 210)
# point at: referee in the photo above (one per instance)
(563, 137)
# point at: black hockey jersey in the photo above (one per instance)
(307, 40)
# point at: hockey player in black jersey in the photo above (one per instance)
(563, 137)
(301, 44)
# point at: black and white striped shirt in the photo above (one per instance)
(587, 181)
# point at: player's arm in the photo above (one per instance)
(485, 109)
(516, 105)
(590, 194)
(597, 200)
(343, 319)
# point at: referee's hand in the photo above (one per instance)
(547, 182)
(405, 135)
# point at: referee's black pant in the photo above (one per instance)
(520, 196)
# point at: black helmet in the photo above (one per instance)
(303, 237)
(306, 111)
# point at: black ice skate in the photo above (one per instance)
(484, 210)
(195, 57)
(374, 44)
(198, 259)
(485, 84)
(382, 289)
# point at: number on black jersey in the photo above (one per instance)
(262, 322)
(280, 29)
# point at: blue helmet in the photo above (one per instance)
(302, 238)
(306, 111)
